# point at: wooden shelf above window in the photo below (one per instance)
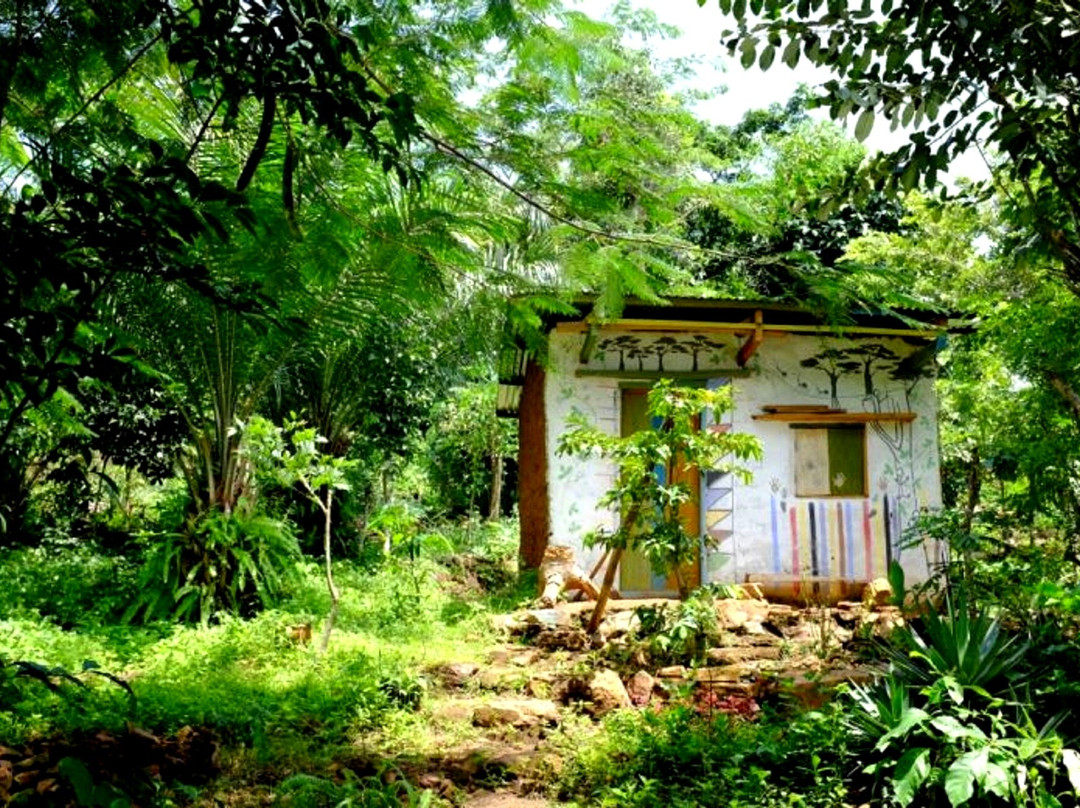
(810, 417)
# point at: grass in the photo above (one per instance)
(245, 679)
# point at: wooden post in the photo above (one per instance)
(532, 469)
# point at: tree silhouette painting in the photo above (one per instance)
(834, 363)
(865, 358)
(623, 343)
(699, 343)
(667, 345)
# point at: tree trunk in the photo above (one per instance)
(974, 486)
(609, 575)
(328, 509)
(495, 504)
(533, 505)
(605, 592)
(1072, 399)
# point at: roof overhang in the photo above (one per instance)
(751, 321)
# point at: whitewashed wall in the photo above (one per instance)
(774, 533)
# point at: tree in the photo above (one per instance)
(132, 144)
(999, 77)
(290, 455)
(776, 239)
(648, 502)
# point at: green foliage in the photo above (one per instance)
(466, 445)
(943, 721)
(70, 586)
(308, 791)
(961, 649)
(220, 562)
(679, 758)
(648, 501)
(89, 794)
(679, 633)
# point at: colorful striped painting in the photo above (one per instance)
(718, 496)
(848, 539)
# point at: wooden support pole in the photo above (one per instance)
(749, 348)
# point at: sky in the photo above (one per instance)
(701, 27)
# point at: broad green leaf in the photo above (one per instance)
(962, 775)
(911, 718)
(911, 772)
(997, 780)
(953, 729)
(768, 54)
(749, 53)
(792, 53)
(80, 778)
(864, 125)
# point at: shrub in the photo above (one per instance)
(72, 586)
(219, 562)
(943, 725)
(677, 757)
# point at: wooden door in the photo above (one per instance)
(636, 576)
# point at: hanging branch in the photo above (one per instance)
(262, 140)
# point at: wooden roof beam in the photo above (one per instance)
(753, 342)
(748, 328)
(590, 344)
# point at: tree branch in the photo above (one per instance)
(93, 99)
(262, 140)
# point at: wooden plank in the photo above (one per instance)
(635, 572)
(835, 417)
(800, 408)
(653, 375)
(812, 463)
(749, 327)
(753, 342)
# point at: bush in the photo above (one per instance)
(677, 757)
(234, 563)
(944, 724)
(71, 586)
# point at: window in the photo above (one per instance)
(830, 461)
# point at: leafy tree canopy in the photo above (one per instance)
(996, 76)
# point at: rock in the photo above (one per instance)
(821, 636)
(519, 713)
(525, 658)
(750, 591)
(877, 593)
(502, 799)
(547, 618)
(725, 673)
(457, 673)
(729, 680)
(506, 623)
(812, 690)
(754, 628)
(741, 654)
(734, 615)
(884, 621)
(618, 623)
(640, 688)
(607, 693)
(848, 614)
(672, 672)
(569, 639)
(499, 678)
(540, 686)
